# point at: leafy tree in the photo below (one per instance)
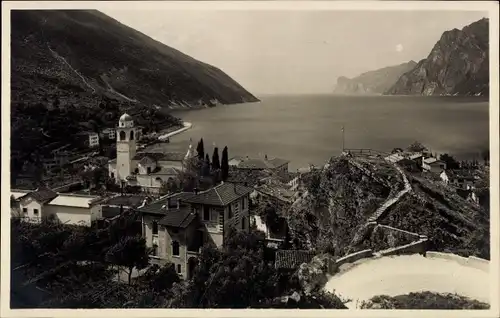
(200, 149)
(130, 252)
(159, 279)
(396, 150)
(164, 188)
(224, 164)
(417, 147)
(451, 163)
(485, 154)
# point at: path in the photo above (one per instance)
(57, 56)
(388, 203)
(399, 275)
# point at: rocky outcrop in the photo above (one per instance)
(373, 82)
(458, 64)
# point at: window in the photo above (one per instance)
(35, 212)
(149, 170)
(131, 135)
(122, 135)
(206, 213)
(136, 170)
(179, 268)
(155, 250)
(243, 204)
(243, 223)
(175, 248)
(25, 211)
(155, 228)
(230, 211)
(112, 175)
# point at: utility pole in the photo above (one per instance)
(343, 139)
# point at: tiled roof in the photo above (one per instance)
(249, 177)
(160, 156)
(173, 156)
(165, 171)
(178, 217)
(125, 200)
(156, 207)
(464, 174)
(42, 194)
(292, 259)
(110, 211)
(252, 163)
(220, 195)
(280, 193)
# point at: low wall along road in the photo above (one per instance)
(398, 275)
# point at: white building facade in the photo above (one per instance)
(149, 170)
(33, 206)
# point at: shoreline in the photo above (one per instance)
(186, 126)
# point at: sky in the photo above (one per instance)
(284, 52)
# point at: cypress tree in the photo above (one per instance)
(224, 164)
(215, 159)
(206, 166)
(200, 149)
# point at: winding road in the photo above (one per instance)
(399, 275)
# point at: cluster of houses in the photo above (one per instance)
(462, 180)
(176, 225)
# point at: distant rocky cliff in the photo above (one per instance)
(373, 82)
(457, 65)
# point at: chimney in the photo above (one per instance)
(178, 203)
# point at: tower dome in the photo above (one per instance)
(125, 117)
(126, 121)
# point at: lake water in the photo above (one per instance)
(306, 129)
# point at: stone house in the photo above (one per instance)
(177, 226)
(433, 165)
(33, 206)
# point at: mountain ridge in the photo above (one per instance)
(114, 58)
(372, 82)
(458, 64)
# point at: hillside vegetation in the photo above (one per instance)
(332, 215)
(340, 199)
(76, 70)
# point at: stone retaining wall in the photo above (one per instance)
(470, 261)
(412, 248)
(351, 258)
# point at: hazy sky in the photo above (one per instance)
(297, 51)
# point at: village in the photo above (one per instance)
(187, 200)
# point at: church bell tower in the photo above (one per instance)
(125, 147)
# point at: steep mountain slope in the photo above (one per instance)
(87, 51)
(457, 65)
(343, 195)
(373, 82)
